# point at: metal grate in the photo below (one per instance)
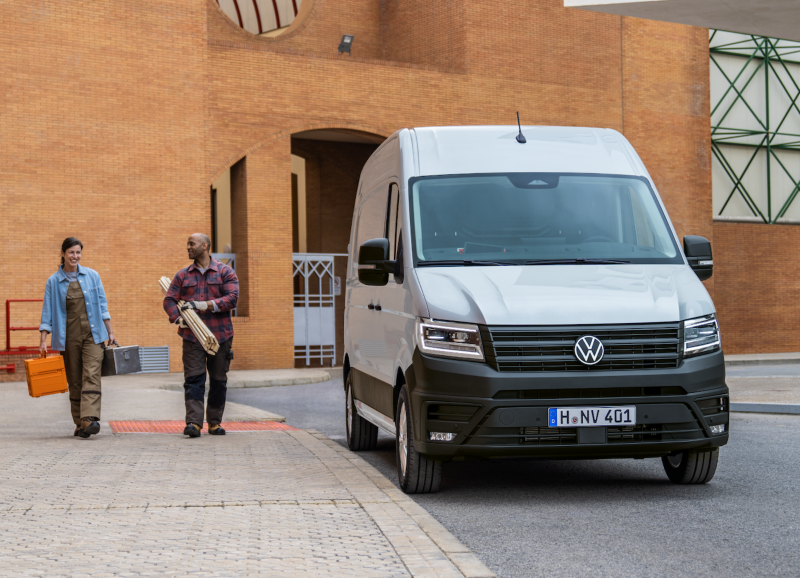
(642, 433)
(643, 346)
(548, 436)
(154, 359)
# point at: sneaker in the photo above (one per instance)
(216, 430)
(192, 430)
(89, 426)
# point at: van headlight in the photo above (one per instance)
(700, 335)
(447, 339)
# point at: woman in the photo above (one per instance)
(75, 311)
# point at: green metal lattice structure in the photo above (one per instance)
(755, 127)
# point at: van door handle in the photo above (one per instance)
(377, 308)
(370, 306)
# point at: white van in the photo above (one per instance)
(515, 296)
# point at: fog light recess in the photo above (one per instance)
(718, 429)
(440, 436)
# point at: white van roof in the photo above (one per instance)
(449, 150)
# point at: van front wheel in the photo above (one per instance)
(416, 474)
(361, 434)
(691, 467)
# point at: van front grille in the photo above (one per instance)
(591, 393)
(550, 348)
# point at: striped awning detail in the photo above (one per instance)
(259, 16)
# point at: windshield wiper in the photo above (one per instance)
(576, 262)
(465, 263)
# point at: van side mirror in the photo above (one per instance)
(698, 253)
(373, 262)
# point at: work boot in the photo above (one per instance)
(192, 430)
(89, 426)
(216, 430)
(77, 431)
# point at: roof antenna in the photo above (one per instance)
(520, 136)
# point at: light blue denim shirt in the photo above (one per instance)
(54, 308)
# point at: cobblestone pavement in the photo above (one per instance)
(272, 503)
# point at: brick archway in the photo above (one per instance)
(263, 205)
(289, 132)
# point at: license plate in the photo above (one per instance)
(591, 416)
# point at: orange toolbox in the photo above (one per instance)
(46, 375)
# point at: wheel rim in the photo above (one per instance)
(675, 461)
(349, 403)
(402, 439)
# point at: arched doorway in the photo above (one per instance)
(326, 166)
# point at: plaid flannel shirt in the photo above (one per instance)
(218, 284)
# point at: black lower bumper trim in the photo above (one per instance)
(461, 397)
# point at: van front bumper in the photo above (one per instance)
(497, 414)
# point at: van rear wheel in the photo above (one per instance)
(691, 467)
(416, 474)
(361, 434)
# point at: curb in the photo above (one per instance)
(459, 555)
(318, 378)
(781, 408)
(763, 359)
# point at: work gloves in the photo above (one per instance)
(199, 305)
(181, 323)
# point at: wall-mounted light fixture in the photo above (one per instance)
(346, 43)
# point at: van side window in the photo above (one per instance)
(371, 222)
(393, 219)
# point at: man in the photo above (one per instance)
(212, 290)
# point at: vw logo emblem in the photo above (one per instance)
(589, 350)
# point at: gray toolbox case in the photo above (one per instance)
(121, 360)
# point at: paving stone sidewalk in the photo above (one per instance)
(773, 389)
(273, 503)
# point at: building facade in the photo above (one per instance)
(120, 118)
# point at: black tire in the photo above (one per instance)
(361, 434)
(416, 474)
(691, 467)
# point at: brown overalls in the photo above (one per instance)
(83, 358)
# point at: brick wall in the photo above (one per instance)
(103, 130)
(421, 32)
(666, 117)
(18, 361)
(122, 114)
(757, 292)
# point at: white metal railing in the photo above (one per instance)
(314, 312)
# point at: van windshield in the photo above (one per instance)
(533, 218)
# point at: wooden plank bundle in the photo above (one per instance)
(203, 333)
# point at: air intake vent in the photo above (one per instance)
(548, 348)
(451, 412)
(713, 405)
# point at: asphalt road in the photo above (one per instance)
(603, 517)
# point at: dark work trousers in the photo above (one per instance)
(83, 358)
(195, 362)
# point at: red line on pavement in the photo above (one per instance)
(144, 426)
